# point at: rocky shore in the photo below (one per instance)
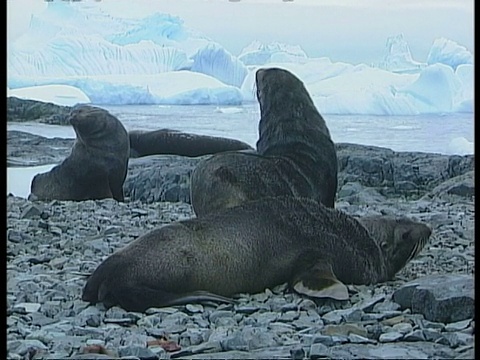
(366, 173)
(31, 110)
(427, 312)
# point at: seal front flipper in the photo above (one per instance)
(320, 281)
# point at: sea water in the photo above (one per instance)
(435, 133)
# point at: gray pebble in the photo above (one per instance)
(49, 259)
(220, 314)
(194, 308)
(297, 353)
(318, 350)
(138, 351)
(357, 339)
(457, 326)
(27, 307)
(391, 336)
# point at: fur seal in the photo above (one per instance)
(172, 142)
(255, 245)
(295, 153)
(97, 165)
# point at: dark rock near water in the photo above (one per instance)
(25, 149)
(22, 110)
(401, 173)
(159, 178)
(367, 174)
(168, 177)
(356, 193)
(440, 298)
(462, 186)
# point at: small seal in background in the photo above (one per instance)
(97, 165)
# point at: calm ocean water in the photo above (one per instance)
(425, 133)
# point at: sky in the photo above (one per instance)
(353, 31)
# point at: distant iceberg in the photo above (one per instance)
(215, 61)
(434, 90)
(159, 60)
(258, 53)
(57, 94)
(450, 53)
(460, 146)
(398, 57)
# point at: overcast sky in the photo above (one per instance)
(344, 30)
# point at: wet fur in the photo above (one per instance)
(295, 153)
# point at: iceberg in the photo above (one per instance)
(170, 88)
(216, 61)
(161, 29)
(460, 146)
(464, 96)
(77, 52)
(434, 90)
(91, 55)
(189, 88)
(340, 88)
(450, 53)
(398, 57)
(57, 94)
(260, 54)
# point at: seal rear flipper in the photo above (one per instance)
(139, 298)
(200, 296)
(320, 281)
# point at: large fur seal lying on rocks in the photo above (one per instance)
(172, 142)
(253, 246)
(295, 153)
(97, 165)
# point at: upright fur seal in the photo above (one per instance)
(255, 245)
(97, 165)
(295, 153)
(172, 142)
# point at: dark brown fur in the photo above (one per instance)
(295, 153)
(171, 142)
(97, 165)
(248, 248)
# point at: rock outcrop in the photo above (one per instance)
(22, 110)
(376, 171)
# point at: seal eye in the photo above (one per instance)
(384, 245)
